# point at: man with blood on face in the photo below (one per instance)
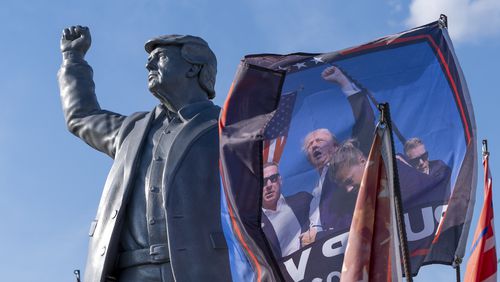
(344, 176)
(283, 218)
(321, 145)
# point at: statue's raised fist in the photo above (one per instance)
(76, 38)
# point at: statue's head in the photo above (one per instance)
(175, 60)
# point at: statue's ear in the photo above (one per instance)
(193, 71)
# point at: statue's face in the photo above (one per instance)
(167, 71)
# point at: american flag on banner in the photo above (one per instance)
(482, 265)
(276, 130)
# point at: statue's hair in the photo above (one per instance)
(412, 143)
(196, 51)
(347, 155)
(208, 71)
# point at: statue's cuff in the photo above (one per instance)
(72, 56)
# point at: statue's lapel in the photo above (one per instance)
(133, 144)
(199, 124)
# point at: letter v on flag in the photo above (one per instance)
(482, 265)
(372, 252)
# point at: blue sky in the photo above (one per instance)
(50, 182)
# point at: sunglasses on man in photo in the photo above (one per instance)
(274, 178)
(415, 161)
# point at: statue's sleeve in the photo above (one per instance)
(84, 117)
(364, 120)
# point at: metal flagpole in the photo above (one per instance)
(386, 119)
(485, 147)
(457, 262)
(77, 274)
(443, 22)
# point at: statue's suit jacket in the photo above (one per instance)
(190, 183)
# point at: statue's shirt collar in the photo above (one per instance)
(185, 113)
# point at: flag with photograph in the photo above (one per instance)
(313, 116)
(373, 249)
(482, 264)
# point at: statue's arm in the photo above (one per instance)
(84, 117)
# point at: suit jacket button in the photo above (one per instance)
(103, 251)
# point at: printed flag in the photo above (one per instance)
(482, 265)
(313, 115)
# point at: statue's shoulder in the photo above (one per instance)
(214, 111)
(137, 121)
(208, 112)
(135, 117)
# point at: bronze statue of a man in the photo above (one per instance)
(159, 214)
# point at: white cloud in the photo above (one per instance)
(468, 20)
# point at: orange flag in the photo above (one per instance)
(372, 252)
(482, 265)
